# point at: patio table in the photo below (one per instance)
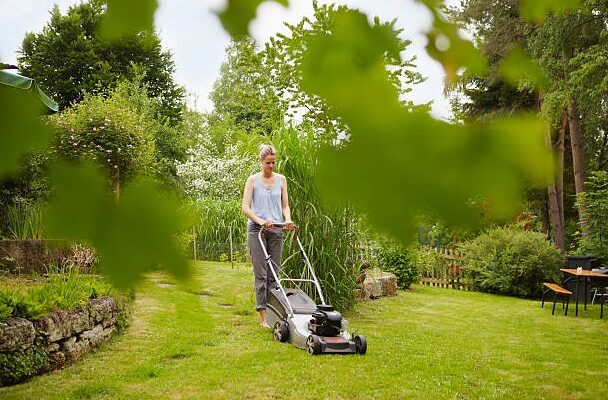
(586, 276)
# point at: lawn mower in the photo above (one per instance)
(295, 317)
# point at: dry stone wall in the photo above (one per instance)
(64, 335)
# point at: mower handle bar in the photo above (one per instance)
(281, 225)
(296, 280)
(315, 281)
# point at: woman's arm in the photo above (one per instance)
(285, 204)
(246, 206)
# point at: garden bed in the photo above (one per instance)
(27, 256)
(32, 255)
(48, 322)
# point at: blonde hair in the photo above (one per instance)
(266, 150)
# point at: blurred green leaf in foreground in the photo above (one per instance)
(400, 163)
(21, 130)
(518, 67)
(446, 45)
(238, 13)
(128, 17)
(536, 10)
(132, 236)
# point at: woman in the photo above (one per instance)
(265, 202)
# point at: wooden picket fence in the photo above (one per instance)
(445, 270)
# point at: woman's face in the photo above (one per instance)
(269, 162)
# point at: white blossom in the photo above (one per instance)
(208, 175)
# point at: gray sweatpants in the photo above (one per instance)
(263, 279)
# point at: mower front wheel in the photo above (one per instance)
(360, 344)
(313, 345)
(281, 331)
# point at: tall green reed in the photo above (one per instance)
(218, 221)
(25, 221)
(328, 233)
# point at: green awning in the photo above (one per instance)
(27, 84)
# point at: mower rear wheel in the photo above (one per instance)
(360, 344)
(313, 345)
(280, 331)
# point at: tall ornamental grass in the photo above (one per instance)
(24, 221)
(328, 233)
(217, 220)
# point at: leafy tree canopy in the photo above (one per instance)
(244, 94)
(70, 57)
(497, 29)
(284, 54)
(567, 54)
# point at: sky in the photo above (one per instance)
(195, 37)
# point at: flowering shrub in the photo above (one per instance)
(108, 130)
(208, 174)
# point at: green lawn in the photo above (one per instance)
(203, 341)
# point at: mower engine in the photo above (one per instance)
(326, 321)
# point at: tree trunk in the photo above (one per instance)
(555, 213)
(559, 173)
(578, 159)
(544, 214)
